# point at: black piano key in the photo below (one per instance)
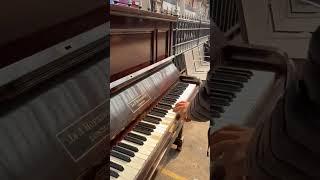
(180, 88)
(120, 156)
(164, 101)
(152, 117)
(139, 130)
(178, 91)
(144, 128)
(215, 114)
(123, 151)
(217, 108)
(114, 174)
(133, 140)
(160, 110)
(147, 125)
(232, 94)
(152, 120)
(137, 136)
(239, 84)
(233, 73)
(172, 96)
(219, 101)
(169, 99)
(164, 106)
(236, 70)
(230, 77)
(224, 86)
(156, 113)
(127, 146)
(219, 95)
(182, 84)
(116, 166)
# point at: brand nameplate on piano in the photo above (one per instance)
(140, 99)
(82, 136)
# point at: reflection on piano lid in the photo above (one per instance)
(142, 122)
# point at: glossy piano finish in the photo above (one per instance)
(139, 38)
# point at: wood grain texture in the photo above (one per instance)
(137, 40)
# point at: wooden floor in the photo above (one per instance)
(192, 162)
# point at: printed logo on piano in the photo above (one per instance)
(138, 98)
(83, 135)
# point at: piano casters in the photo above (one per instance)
(179, 140)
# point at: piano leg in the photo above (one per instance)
(179, 140)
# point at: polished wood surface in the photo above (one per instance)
(138, 39)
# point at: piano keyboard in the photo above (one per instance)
(235, 93)
(230, 95)
(130, 155)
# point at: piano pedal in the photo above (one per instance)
(179, 142)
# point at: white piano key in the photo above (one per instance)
(142, 156)
(123, 163)
(188, 92)
(127, 175)
(113, 178)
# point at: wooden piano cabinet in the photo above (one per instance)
(130, 51)
(138, 39)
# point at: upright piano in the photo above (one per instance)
(145, 86)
